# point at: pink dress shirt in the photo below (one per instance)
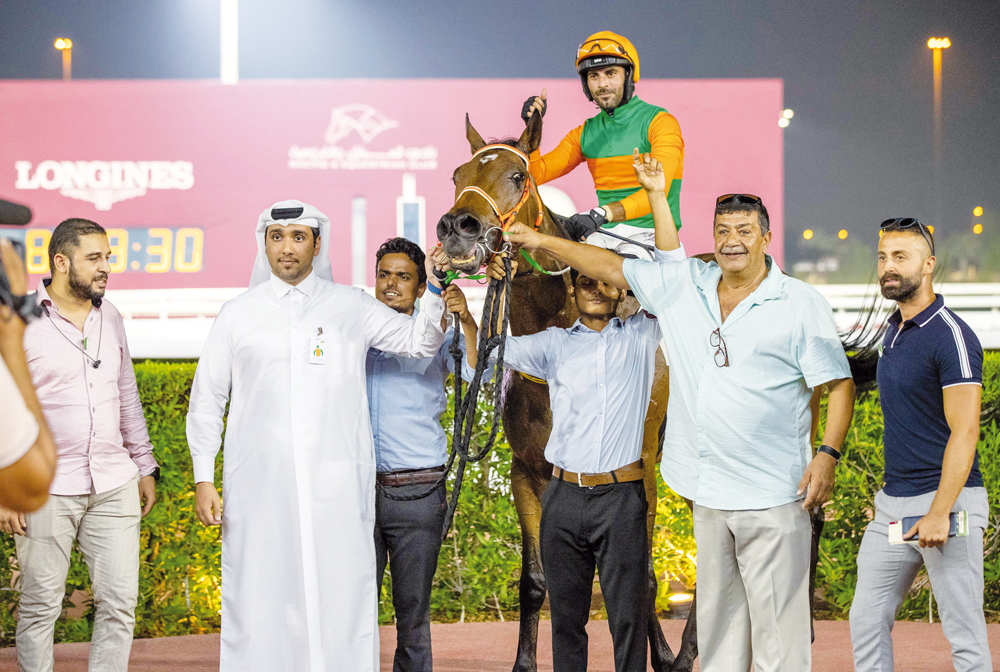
(94, 413)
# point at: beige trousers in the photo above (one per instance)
(753, 589)
(106, 526)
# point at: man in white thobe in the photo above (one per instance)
(298, 560)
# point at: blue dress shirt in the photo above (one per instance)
(599, 386)
(406, 398)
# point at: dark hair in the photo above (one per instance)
(735, 206)
(66, 237)
(407, 247)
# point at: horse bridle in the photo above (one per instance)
(509, 217)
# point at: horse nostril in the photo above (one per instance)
(468, 225)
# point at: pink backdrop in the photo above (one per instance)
(223, 155)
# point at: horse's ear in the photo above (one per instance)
(476, 141)
(531, 138)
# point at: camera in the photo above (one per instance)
(12, 214)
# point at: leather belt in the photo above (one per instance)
(409, 477)
(626, 474)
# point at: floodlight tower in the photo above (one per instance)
(937, 45)
(229, 41)
(65, 45)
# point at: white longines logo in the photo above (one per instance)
(104, 183)
(367, 123)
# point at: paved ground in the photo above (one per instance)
(485, 647)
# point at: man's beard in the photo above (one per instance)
(84, 289)
(613, 103)
(904, 291)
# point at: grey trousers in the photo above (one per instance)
(753, 589)
(107, 528)
(885, 574)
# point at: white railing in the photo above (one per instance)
(173, 323)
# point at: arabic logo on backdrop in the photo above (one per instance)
(104, 183)
(368, 123)
(366, 120)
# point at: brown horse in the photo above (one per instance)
(538, 301)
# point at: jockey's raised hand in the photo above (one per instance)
(649, 172)
(534, 104)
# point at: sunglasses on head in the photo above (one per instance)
(905, 223)
(747, 199)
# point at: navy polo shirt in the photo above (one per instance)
(917, 360)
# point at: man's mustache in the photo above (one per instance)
(890, 276)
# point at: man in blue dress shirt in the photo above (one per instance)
(930, 377)
(599, 374)
(406, 397)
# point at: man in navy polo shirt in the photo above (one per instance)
(930, 384)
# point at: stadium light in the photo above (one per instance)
(65, 45)
(938, 43)
(788, 114)
(977, 229)
(807, 234)
(229, 41)
(977, 211)
(842, 234)
(783, 122)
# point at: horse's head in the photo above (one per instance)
(471, 230)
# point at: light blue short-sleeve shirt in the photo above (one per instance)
(737, 436)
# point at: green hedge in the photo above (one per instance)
(480, 562)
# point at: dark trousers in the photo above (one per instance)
(603, 526)
(408, 537)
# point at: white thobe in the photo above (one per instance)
(298, 556)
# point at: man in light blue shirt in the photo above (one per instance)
(599, 374)
(746, 346)
(406, 398)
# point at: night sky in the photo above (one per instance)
(857, 74)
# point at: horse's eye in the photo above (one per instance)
(518, 178)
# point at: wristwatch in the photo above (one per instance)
(831, 451)
(155, 474)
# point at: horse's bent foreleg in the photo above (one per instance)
(532, 583)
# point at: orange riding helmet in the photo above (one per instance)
(603, 49)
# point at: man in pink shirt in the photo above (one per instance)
(82, 370)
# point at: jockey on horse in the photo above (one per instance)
(608, 65)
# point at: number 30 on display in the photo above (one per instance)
(156, 250)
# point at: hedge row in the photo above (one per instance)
(480, 561)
